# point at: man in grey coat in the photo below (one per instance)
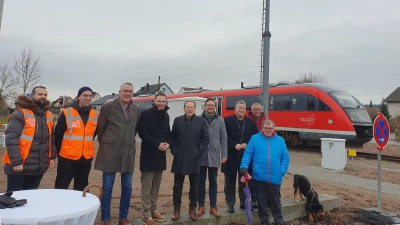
(116, 130)
(189, 139)
(211, 159)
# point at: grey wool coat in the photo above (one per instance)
(218, 146)
(116, 136)
(188, 142)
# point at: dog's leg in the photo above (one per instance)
(302, 196)
(310, 217)
(295, 196)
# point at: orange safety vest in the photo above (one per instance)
(78, 138)
(25, 141)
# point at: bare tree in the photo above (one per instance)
(7, 83)
(311, 78)
(28, 70)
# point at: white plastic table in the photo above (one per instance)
(52, 207)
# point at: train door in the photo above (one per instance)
(218, 99)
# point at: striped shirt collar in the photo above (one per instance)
(126, 109)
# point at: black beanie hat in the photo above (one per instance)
(83, 89)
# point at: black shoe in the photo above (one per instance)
(242, 207)
(254, 205)
(231, 209)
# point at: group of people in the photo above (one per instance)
(200, 144)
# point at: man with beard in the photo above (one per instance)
(189, 139)
(154, 130)
(116, 130)
(239, 129)
(74, 133)
(29, 141)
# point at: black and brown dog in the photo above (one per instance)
(303, 187)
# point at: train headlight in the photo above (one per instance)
(330, 121)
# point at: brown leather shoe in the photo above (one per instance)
(176, 215)
(105, 222)
(124, 222)
(193, 215)
(214, 212)
(157, 217)
(148, 221)
(200, 211)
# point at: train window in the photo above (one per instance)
(323, 106)
(282, 102)
(310, 102)
(230, 102)
(250, 99)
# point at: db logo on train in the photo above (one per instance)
(381, 131)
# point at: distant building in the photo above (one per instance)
(151, 89)
(100, 102)
(393, 103)
(188, 89)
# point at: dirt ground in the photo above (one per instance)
(352, 198)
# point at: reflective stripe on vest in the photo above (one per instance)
(26, 138)
(78, 138)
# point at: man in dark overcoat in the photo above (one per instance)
(189, 139)
(239, 129)
(154, 130)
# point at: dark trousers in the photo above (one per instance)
(193, 191)
(253, 193)
(230, 190)
(67, 170)
(212, 187)
(23, 182)
(268, 193)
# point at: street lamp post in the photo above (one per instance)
(266, 42)
(1, 11)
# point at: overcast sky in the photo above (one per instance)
(210, 43)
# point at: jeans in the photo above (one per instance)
(212, 188)
(23, 182)
(126, 192)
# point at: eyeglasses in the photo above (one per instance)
(268, 128)
(210, 105)
(257, 109)
(127, 91)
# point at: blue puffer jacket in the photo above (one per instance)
(270, 158)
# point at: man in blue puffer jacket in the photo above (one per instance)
(270, 160)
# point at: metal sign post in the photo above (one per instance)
(1, 11)
(381, 131)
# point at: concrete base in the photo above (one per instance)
(291, 211)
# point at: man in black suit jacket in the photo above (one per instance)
(154, 130)
(239, 129)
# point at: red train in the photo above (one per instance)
(303, 113)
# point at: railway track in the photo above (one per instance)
(374, 156)
(383, 157)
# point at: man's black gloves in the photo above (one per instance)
(243, 172)
(6, 201)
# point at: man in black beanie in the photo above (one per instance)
(74, 134)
